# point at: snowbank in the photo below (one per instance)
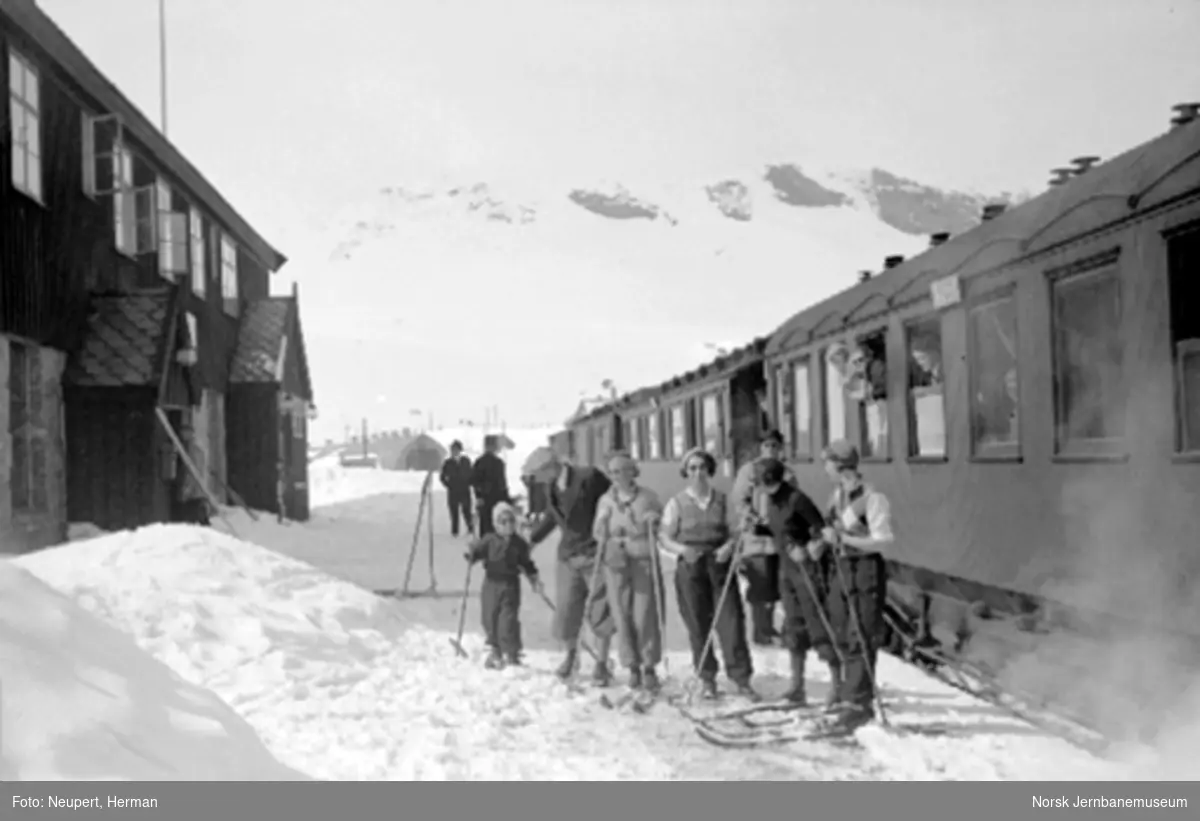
(81, 701)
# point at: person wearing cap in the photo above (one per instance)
(859, 527)
(760, 562)
(489, 479)
(456, 478)
(695, 528)
(625, 519)
(794, 523)
(572, 496)
(505, 557)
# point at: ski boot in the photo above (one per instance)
(567, 668)
(797, 693)
(848, 719)
(708, 690)
(601, 675)
(494, 660)
(636, 681)
(650, 680)
(513, 659)
(742, 688)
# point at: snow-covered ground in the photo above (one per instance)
(280, 632)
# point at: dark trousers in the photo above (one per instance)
(460, 503)
(191, 511)
(858, 594)
(697, 588)
(804, 589)
(578, 602)
(500, 603)
(762, 591)
(485, 518)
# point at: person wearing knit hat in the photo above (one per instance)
(489, 479)
(695, 527)
(760, 563)
(794, 523)
(625, 521)
(860, 528)
(572, 496)
(505, 557)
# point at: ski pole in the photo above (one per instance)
(587, 607)
(852, 607)
(825, 622)
(660, 589)
(412, 553)
(462, 612)
(429, 529)
(712, 630)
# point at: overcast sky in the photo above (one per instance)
(292, 107)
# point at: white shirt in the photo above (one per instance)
(561, 481)
(671, 511)
(879, 515)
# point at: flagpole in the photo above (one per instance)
(162, 61)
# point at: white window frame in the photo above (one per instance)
(172, 234)
(801, 390)
(712, 401)
(229, 270)
(197, 247)
(654, 438)
(24, 113)
(677, 428)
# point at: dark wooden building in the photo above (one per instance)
(269, 404)
(95, 203)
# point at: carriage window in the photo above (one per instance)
(678, 433)
(801, 411)
(783, 403)
(868, 376)
(995, 400)
(653, 436)
(926, 402)
(710, 419)
(835, 394)
(1183, 254)
(633, 438)
(1088, 355)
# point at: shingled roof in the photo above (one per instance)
(123, 341)
(260, 340)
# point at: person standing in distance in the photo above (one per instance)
(456, 478)
(490, 482)
(572, 497)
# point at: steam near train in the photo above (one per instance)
(1027, 394)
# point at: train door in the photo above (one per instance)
(746, 424)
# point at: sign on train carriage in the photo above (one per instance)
(945, 292)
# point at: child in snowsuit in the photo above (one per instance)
(505, 556)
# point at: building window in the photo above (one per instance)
(678, 433)
(1183, 261)
(868, 388)
(712, 425)
(172, 234)
(995, 393)
(1088, 357)
(783, 403)
(229, 270)
(926, 399)
(653, 436)
(133, 208)
(834, 388)
(196, 229)
(26, 426)
(801, 411)
(25, 121)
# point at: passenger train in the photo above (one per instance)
(1027, 393)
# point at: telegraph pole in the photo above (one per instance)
(162, 61)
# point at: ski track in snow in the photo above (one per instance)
(346, 685)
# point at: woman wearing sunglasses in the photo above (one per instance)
(695, 528)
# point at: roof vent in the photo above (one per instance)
(938, 239)
(864, 276)
(993, 210)
(1184, 113)
(1083, 165)
(893, 261)
(1061, 175)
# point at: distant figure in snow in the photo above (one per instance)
(489, 479)
(505, 557)
(189, 501)
(456, 478)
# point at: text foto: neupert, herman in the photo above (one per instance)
(111, 802)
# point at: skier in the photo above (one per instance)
(795, 525)
(572, 496)
(860, 526)
(625, 518)
(505, 556)
(456, 478)
(760, 563)
(695, 527)
(490, 483)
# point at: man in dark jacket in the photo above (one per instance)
(490, 481)
(456, 478)
(572, 496)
